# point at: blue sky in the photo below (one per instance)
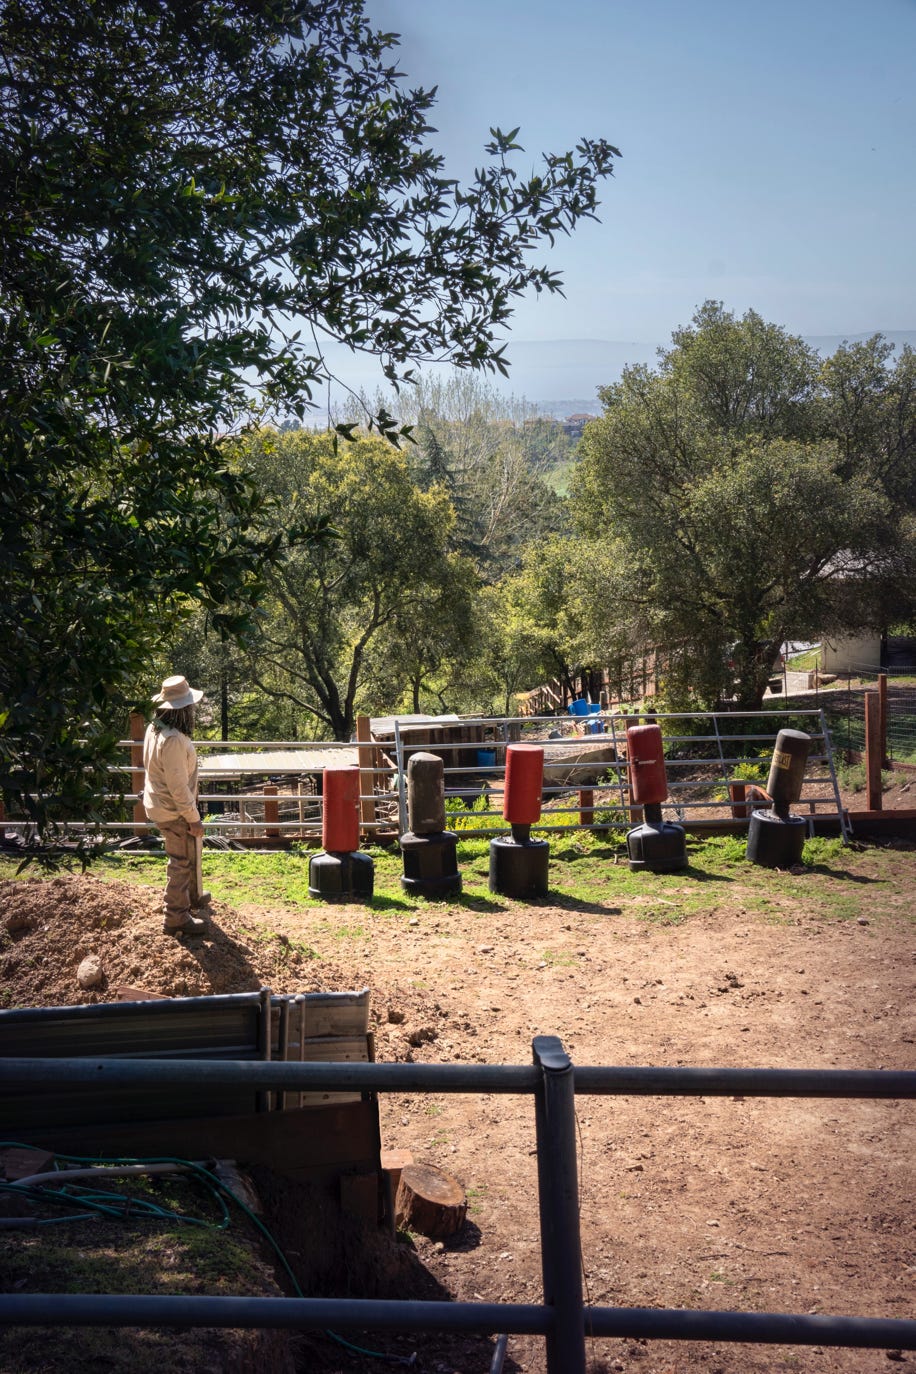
(769, 151)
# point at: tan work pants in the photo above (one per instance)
(182, 887)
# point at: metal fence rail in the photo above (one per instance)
(704, 764)
(562, 1319)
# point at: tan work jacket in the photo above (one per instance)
(170, 790)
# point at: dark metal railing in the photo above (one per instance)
(562, 1319)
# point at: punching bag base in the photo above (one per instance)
(775, 841)
(341, 877)
(430, 865)
(657, 848)
(519, 870)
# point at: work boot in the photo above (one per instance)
(190, 925)
(203, 900)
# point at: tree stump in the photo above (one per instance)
(430, 1201)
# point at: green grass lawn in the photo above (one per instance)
(588, 873)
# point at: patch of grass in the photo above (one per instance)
(476, 1196)
(670, 915)
(259, 935)
(589, 875)
(131, 1256)
(341, 932)
(820, 850)
(556, 958)
(718, 852)
(805, 662)
(854, 777)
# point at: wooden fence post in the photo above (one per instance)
(137, 771)
(873, 750)
(367, 758)
(586, 806)
(271, 811)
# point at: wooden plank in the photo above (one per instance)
(271, 811)
(882, 719)
(366, 757)
(124, 993)
(586, 806)
(309, 1143)
(17, 1162)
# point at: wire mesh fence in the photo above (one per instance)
(844, 710)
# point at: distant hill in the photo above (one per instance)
(548, 372)
(562, 376)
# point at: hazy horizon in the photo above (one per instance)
(560, 375)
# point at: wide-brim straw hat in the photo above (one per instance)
(176, 693)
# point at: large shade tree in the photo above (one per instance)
(732, 518)
(385, 565)
(195, 197)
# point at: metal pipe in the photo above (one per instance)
(46, 1074)
(68, 1309)
(627, 1080)
(718, 1082)
(107, 1171)
(558, 1189)
(499, 1354)
(402, 779)
(760, 1328)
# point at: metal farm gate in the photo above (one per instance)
(562, 1319)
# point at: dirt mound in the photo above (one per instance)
(52, 926)
(48, 927)
(746, 1203)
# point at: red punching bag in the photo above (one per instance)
(340, 822)
(524, 781)
(648, 780)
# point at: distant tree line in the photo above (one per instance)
(742, 493)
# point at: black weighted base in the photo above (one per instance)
(430, 865)
(657, 847)
(341, 877)
(519, 870)
(775, 841)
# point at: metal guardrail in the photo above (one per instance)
(617, 814)
(563, 1319)
(719, 748)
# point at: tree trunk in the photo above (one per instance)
(430, 1201)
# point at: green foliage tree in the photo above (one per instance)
(194, 196)
(506, 657)
(419, 660)
(494, 455)
(384, 569)
(867, 401)
(731, 528)
(743, 376)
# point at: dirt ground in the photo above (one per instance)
(742, 1204)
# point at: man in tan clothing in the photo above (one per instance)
(170, 801)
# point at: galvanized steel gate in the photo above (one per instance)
(562, 1319)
